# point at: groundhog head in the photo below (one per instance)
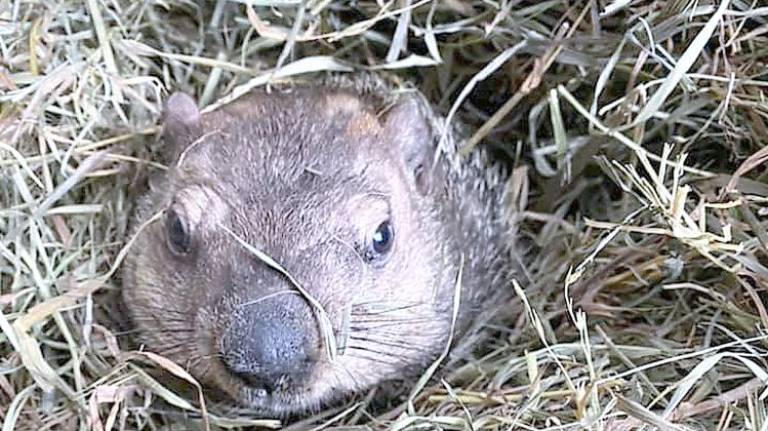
(300, 247)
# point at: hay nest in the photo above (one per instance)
(636, 132)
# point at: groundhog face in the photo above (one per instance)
(293, 253)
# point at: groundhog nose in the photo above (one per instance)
(271, 344)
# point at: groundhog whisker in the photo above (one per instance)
(269, 296)
(175, 331)
(385, 301)
(194, 360)
(160, 308)
(162, 314)
(169, 323)
(212, 356)
(172, 329)
(378, 328)
(155, 318)
(374, 359)
(180, 346)
(207, 358)
(386, 335)
(155, 305)
(383, 353)
(165, 311)
(385, 345)
(391, 319)
(125, 333)
(367, 325)
(367, 312)
(346, 370)
(388, 343)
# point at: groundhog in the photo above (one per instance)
(313, 240)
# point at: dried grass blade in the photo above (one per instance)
(683, 65)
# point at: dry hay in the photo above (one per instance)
(637, 132)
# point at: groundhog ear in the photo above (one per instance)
(181, 124)
(407, 122)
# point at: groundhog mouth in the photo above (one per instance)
(279, 389)
(281, 396)
(287, 399)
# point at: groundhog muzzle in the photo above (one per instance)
(307, 243)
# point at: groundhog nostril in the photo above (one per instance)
(269, 346)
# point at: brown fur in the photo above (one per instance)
(305, 175)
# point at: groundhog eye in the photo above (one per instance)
(381, 241)
(176, 232)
